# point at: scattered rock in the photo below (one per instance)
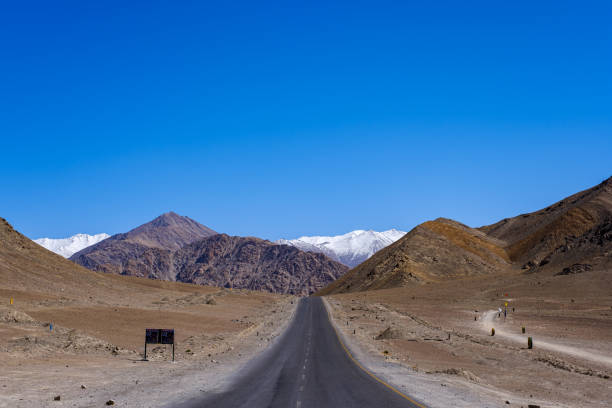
(389, 333)
(57, 398)
(110, 402)
(15, 316)
(83, 387)
(457, 371)
(575, 268)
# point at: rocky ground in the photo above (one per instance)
(434, 340)
(94, 352)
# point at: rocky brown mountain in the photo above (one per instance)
(176, 248)
(145, 251)
(168, 231)
(575, 230)
(433, 251)
(571, 236)
(253, 263)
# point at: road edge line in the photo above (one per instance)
(358, 364)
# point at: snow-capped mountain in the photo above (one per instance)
(66, 247)
(350, 249)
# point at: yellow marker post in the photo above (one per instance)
(11, 301)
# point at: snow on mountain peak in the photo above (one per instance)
(66, 247)
(351, 248)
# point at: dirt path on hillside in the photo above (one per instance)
(490, 320)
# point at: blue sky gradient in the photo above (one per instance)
(283, 119)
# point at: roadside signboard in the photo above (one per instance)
(159, 336)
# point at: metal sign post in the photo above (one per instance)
(159, 336)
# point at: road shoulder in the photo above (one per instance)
(431, 389)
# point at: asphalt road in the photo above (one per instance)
(307, 367)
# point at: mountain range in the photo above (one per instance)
(66, 247)
(176, 248)
(351, 249)
(571, 236)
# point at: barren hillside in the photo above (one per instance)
(176, 248)
(571, 236)
(255, 264)
(433, 251)
(69, 326)
(575, 230)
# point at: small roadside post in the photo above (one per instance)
(159, 336)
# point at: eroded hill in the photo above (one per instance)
(176, 248)
(256, 264)
(571, 236)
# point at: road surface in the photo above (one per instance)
(307, 367)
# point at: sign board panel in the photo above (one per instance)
(159, 336)
(166, 336)
(152, 336)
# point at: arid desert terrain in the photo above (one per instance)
(93, 352)
(444, 332)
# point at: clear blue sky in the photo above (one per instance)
(283, 119)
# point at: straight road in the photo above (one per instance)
(307, 367)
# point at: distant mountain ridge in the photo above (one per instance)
(177, 248)
(168, 231)
(351, 248)
(66, 247)
(573, 235)
(253, 263)
(144, 251)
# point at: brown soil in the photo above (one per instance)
(413, 325)
(97, 334)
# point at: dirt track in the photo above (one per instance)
(491, 319)
(432, 329)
